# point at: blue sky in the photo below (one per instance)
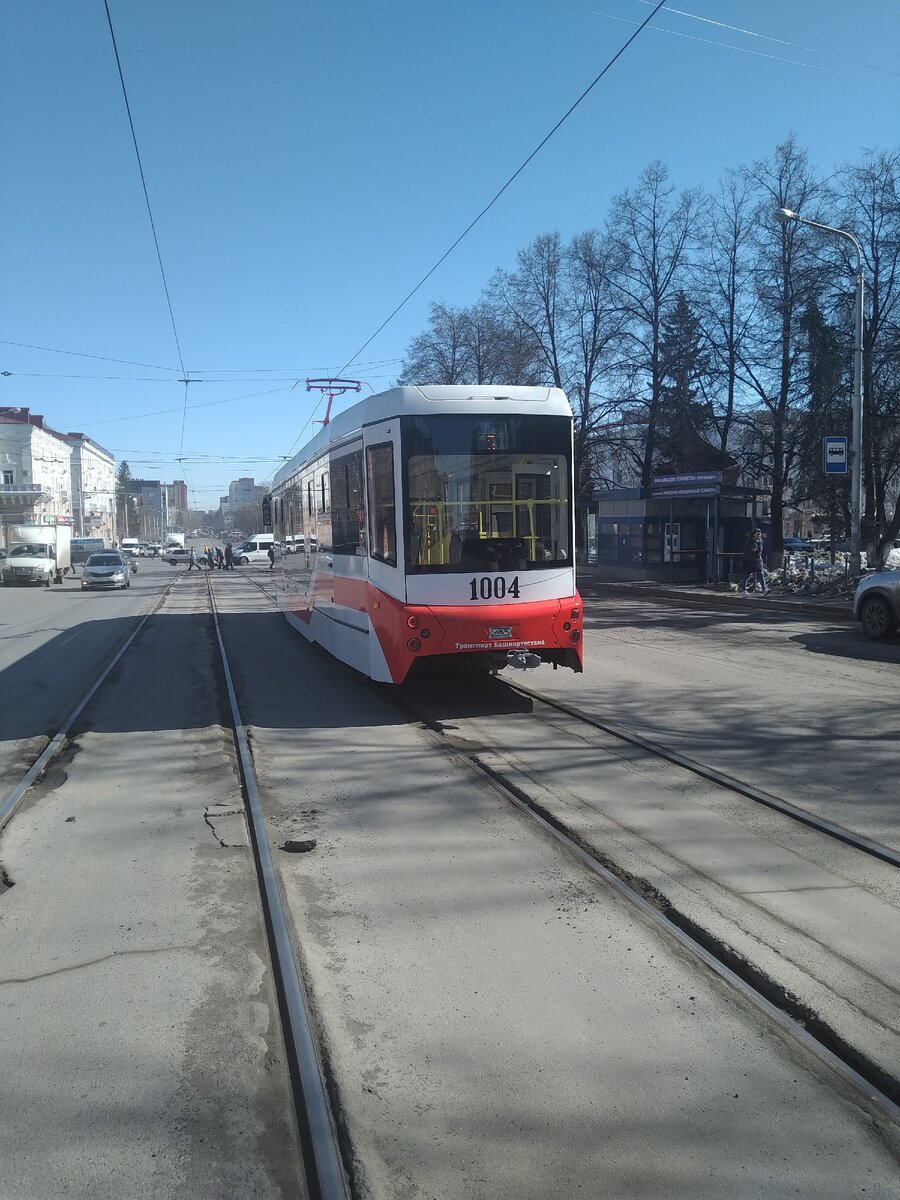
(307, 162)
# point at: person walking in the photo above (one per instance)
(229, 556)
(220, 558)
(753, 562)
(211, 557)
(192, 559)
(271, 556)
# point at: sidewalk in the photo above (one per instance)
(589, 582)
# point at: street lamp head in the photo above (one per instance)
(784, 215)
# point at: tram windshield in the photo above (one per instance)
(486, 493)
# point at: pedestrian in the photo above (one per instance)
(753, 562)
(192, 559)
(229, 556)
(211, 557)
(220, 558)
(271, 556)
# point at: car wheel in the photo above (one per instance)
(877, 617)
(244, 560)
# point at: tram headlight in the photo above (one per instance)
(566, 626)
(425, 633)
(414, 644)
(413, 621)
(575, 636)
(575, 614)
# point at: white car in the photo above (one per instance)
(106, 569)
(876, 603)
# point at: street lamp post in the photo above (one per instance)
(785, 215)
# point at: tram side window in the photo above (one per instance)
(347, 520)
(382, 504)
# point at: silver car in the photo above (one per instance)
(107, 569)
(876, 603)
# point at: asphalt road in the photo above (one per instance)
(495, 1022)
(53, 642)
(140, 1048)
(802, 707)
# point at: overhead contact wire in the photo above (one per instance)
(587, 91)
(162, 270)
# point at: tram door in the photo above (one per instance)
(536, 514)
(381, 464)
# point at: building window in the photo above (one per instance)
(8, 478)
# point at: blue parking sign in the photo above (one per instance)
(836, 456)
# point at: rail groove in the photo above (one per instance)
(316, 1124)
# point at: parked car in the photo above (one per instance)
(106, 569)
(795, 545)
(876, 603)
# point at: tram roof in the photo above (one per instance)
(430, 399)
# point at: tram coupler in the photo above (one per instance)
(522, 660)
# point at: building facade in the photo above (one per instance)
(35, 472)
(241, 494)
(176, 497)
(150, 499)
(93, 488)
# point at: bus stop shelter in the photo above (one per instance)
(686, 528)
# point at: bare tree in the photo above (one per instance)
(790, 270)
(650, 230)
(533, 296)
(594, 330)
(441, 353)
(726, 297)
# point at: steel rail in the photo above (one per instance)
(728, 782)
(862, 1086)
(315, 1121)
(57, 742)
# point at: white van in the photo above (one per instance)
(255, 549)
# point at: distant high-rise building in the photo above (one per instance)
(241, 493)
(176, 497)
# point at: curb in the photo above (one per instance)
(728, 600)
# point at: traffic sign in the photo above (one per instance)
(835, 453)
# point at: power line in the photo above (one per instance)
(161, 412)
(162, 270)
(81, 354)
(618, 54)
(691, 37)
(678, 12)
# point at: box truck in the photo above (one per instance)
(37, 554)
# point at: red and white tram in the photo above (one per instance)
(434, 526)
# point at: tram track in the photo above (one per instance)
(720, 778)
(57, 743)
(314, 1111)
(876, 1088)
(316, 1126)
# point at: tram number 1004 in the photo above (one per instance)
(494, 587)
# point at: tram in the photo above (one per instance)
(432, 527)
